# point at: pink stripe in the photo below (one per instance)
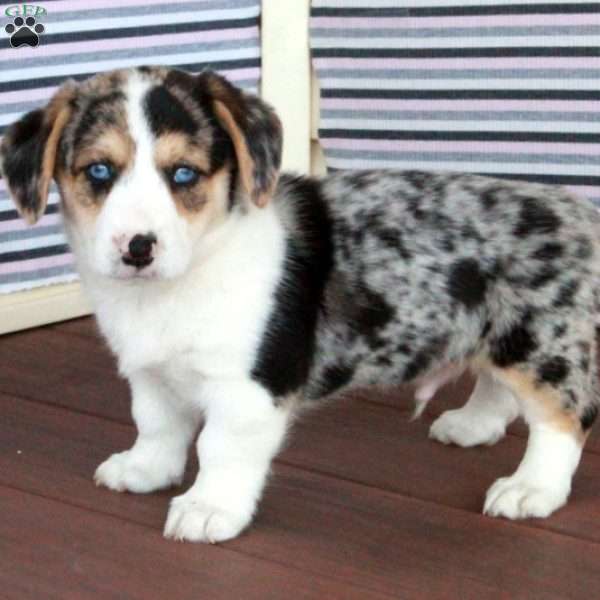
(25, 266)
(479, 147)
(77, 5)
(21, 225)
(461, 105)
(154, 41)
(552, 62)
(462, 21)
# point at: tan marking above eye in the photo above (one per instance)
(112, 145)
(175, 148)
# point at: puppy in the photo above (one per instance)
(234, 296)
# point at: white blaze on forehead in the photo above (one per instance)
(136, 91)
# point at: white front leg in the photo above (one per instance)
(243, 431)
(165, 430)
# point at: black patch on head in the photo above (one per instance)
(548, 251)
(94, 115)
(554, 370)
(287, 348)
(545, 275)
(514, 346)
(166, 113)
(23, 152)
(536, 218)
(589, 416)
(467, 283)
(566, 294)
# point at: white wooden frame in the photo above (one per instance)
(286, 84)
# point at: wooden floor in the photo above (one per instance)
(361, 503)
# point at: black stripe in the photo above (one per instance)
(8, 257)
(13, 215)
(480, 136)
(571, 180)
(456, 11)
(463, 94)
(494, 52)
(128, 32)
(29, 84)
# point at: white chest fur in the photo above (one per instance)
(207, 324)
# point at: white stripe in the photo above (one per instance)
(17, 286)
(159, 18)
(107, 65)
(414, 82)
(423, 3)
(31, 243)
(478, 167)
(433, 125)
(8, 204)
(456, 42)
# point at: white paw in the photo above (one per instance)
(514, 498)
(122, 472)
(460, 428)
(191, 519)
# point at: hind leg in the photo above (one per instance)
(482, 420)
(557, 430)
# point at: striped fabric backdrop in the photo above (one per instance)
(85, 37)
(502, 87)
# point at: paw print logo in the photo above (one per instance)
(24, 32)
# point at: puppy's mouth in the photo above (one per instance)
(138, 262)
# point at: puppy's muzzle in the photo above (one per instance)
(140, 250)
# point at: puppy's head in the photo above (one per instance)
(149, 163)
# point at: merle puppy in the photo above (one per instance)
(235, 296)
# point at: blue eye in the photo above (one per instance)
(184, 175)
(99, 172)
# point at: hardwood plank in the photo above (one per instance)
(382, 541)
(52, 550)
(97, 378)
(77, 372)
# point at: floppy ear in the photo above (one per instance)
(28, 154)
(255, 131)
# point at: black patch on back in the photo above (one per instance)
(467, 283)
(423, 358)
(560, 330)
(545, 275)
(373, 314)
(584, 248)
(589, 416)
(166, 113)
(554, 370)
(392, 238)
(333, 378)
(535, 218)
(286, 352)
(566, 294)
(514, 346)
(548, 251)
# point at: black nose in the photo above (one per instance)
(140, 250)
